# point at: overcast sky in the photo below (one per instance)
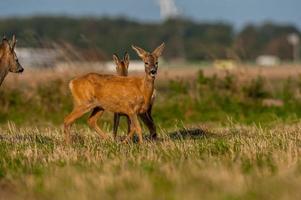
(237, 12)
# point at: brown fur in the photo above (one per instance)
(122, 70)
(128, 95)
(8, 58)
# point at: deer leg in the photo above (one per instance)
(130, 133)
(74, 115)
(135, 126)
(116, 124)
(92, 121)
(138, 128)
(128, 123)
(149, 122)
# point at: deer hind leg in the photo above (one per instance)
(74, 115)
(135, 127)
(149, 122)
(92, 121)
(128, 123)
(116, 124)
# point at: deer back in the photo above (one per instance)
(113, 93)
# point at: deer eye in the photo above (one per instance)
(146, 63)
(156, 63)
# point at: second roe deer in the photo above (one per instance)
(122, 70)
(127, 95)
(8, 59)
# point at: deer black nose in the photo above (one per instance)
(20, 70)
(153, 71)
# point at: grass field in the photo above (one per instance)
(222, 136)
(223, 162)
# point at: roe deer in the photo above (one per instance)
(118, 94)
(8, 58)
(122, 70)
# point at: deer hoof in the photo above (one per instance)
(125, 141)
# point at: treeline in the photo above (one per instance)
(185, 39)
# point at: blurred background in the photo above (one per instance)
(52, 31)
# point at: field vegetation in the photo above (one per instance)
(222, 135)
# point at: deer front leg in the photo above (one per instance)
(135, 127)
(149, 122)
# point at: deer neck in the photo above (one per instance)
(3, 68)
(148, 89)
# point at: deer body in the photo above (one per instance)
(8, 59)
(97, 89)
(127, 95)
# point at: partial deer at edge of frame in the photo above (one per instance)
(8, 59)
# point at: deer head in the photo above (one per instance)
(9, 59)
(150, 59)
(122, 65)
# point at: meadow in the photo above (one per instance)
(222, 135)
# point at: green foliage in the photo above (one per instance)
(255, 89)
(288, 90)
(267, 38)
(184, 38)
(178, 87)
(205, 99)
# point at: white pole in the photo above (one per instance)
(294, 40)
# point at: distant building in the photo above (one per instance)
(38, 57)
(267, 60)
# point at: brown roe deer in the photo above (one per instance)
(8, 58)
(118, 94)
(122, 70)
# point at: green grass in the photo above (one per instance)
(222, 162)
(206, 99)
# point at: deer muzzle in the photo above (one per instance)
(153, 72)
(20, 69)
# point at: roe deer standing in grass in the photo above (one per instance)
(122, 70)
(128, 95)
(8, 58)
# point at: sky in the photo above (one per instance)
(236, 12)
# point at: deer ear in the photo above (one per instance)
(126, 59)
(141, 52)
(116, 59)
(13, 42)
(159, 50)
(5, 43)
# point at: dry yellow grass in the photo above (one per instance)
(221, 162)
